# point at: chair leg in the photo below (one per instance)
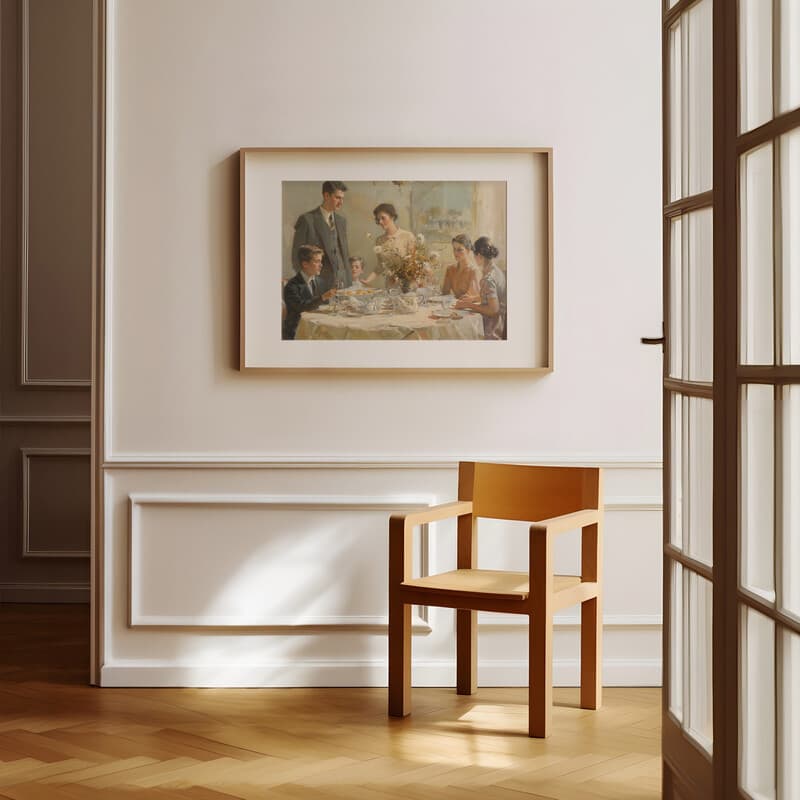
(591, 654)
(540, 673)
(399, 659)
(466, 652)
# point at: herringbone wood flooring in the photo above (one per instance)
(63, 740)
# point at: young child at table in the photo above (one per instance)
(357, 270)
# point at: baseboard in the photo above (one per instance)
(617, 672)
(44, 593)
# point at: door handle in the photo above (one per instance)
(654, 339)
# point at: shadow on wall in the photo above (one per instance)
(312, 574)
(223, 260)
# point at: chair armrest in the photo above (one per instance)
(458, 508)
(401, 527)
(567, 522)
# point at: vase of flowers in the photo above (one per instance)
(407, 271)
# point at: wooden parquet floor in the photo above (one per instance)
(61, 739)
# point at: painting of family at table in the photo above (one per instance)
(403, 260)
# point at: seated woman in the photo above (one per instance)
(492, 290)
(393, 245)
(461, 278)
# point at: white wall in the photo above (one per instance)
(192, 81)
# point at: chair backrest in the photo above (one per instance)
(527, 493)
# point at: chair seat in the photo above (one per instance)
(500, 585)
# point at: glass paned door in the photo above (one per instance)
(688, 396)
(731, 724)
(768, 381)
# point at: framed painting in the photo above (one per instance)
(396, 259)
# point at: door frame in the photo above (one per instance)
(99, 149)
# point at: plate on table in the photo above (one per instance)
(446, 314)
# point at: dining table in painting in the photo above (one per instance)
(427, 323)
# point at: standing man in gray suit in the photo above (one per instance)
(325, 228)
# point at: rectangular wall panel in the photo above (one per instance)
(245, 560)
(56, 503)
(44, 469)
(56, 191)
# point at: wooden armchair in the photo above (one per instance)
(554, 500)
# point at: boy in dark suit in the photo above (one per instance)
(304, 292)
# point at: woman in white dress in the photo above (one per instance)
(393, 245)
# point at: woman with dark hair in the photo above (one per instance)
(461, 278)
(394, 244)
(492, 291)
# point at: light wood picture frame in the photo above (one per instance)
(441, 202)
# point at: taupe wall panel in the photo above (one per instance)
(56, 502)
(14, 567)
(14, 399)
(58, 328)
(56, 213)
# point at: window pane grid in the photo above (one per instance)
(755, 63)
(787, 245)
(689, 97)
(676, 112)
(757, 772)
(691, 476)
(788, 58)
(678, 468)
(757, 554)
(691, 691)
(767, 609)
(699, 690)
(770, 500)
(756, 315)
(788, 715)
(691, 334)
(789, 502)
(676, 633)
(676, 262)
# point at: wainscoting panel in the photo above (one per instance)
(275, 567)
(275, 575)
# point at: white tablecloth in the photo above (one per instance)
(419, 325)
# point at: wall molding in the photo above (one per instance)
(16, 419)
(27, 454)
(283, 502)
(341, 673)
(208, 461)
(25, 379)
(644, 503)
(44, 592)
(420, 622)
(354, 622)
